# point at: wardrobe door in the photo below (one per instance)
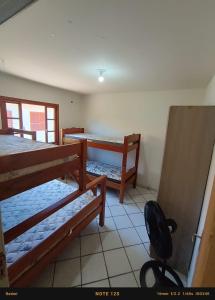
(188, 151)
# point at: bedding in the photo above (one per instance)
(99, 168)
(95, 138)
(24, 205)
(10, 144)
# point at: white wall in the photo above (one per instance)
(141, 112)
(210, 93)
(70, 114)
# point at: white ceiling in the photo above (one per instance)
(142, 44)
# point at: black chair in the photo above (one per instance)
(159, 230)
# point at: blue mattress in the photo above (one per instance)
(18, 208)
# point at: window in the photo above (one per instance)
(41, 117)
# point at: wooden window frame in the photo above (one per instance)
(19, 101)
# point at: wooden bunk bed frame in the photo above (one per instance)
(19, 131)
(131, 142)
(26, 268)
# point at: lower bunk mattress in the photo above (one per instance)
(20, 207)
(100, 168)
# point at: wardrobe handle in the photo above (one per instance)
(195, 235)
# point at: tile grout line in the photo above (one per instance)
(104, 259)
(137, 234)
(114, 229)
(110, 277)
(137, 226)
(126, 255)
(93, 253)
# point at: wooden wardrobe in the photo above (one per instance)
(188, 151)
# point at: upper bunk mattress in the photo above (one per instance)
(10, 144)
(18, 208)
(95, 138)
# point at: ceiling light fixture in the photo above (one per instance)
(101, 77)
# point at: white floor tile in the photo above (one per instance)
(147, 247)
(143, 190)
(90, 244)
(113, 202)
(137, 256)
(117, 262)
(139, 199)
(101, 283)
(126, 280)
(67, 273)
(131, 208)
(112, 199)
(112, 192)
(129, 236)
(133, 192)
(91, 228)
(150, 197)
(141, 230)
(71, 251)
(122, 222)
(93, 268)
(110, 240)
(128, 199)
(137, 219)
(141, 205)
(107, 212)
(108, 226)
(45, 278)
(117, 210)
(137, 276)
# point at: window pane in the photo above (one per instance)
(40, 136)
(50, 113)
(12, 110)
(50, 125)
(13, 123)
(33, 117)
(27, 136)
(51, 137)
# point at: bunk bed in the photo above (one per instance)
(117, 177)
(40, 212)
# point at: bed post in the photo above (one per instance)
(61, 136)
(124, 167)
(82, 171)
(136, 161)
(103, 194)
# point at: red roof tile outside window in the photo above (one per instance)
(37, 120)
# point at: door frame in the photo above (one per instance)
(5, 99)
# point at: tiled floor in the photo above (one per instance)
(108, 256)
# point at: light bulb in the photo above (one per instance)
(101, 78)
